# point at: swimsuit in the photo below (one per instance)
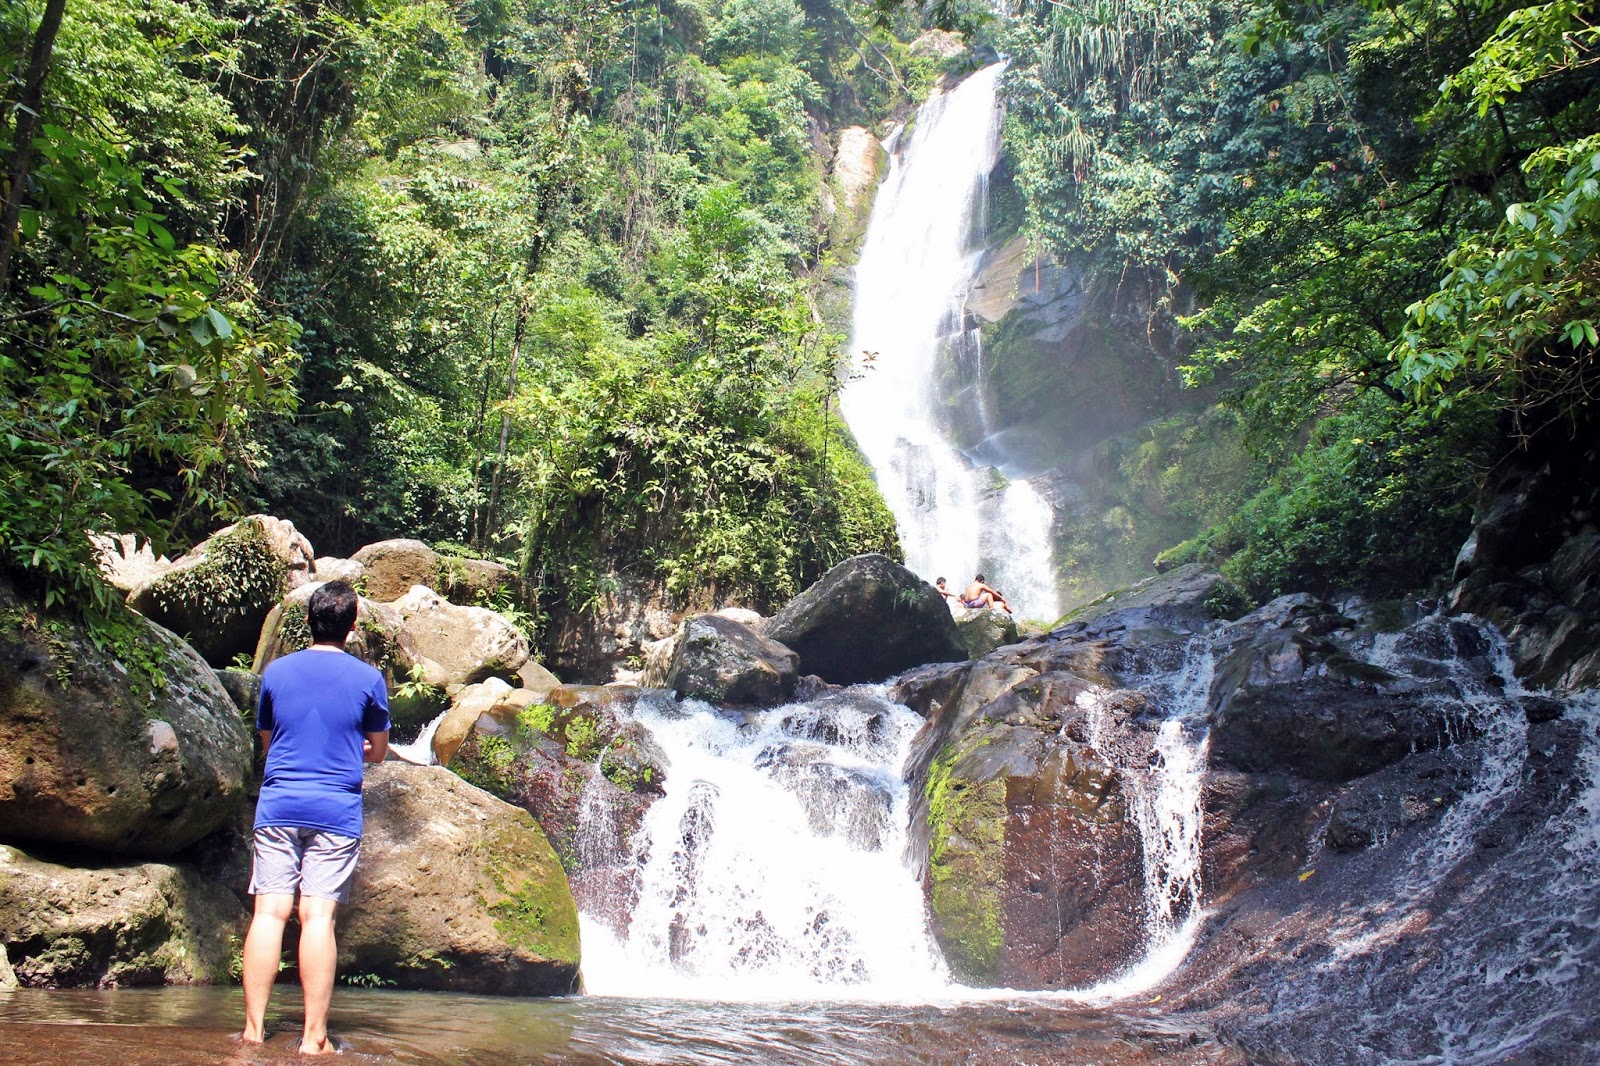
(973, 604)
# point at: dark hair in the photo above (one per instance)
(938, 581)
(980, 577)
(331, 614)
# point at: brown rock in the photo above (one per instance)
(393, 566)
(456, 891)
(469, 644)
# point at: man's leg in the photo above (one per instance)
(263, 947)
(318, 956)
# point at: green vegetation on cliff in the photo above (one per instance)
(1377, 221)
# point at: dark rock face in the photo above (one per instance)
(866, 619)
(1288, 701)
(1532, 566)
(115, 926)
(93, 755)
(722, 661)
(456, 891)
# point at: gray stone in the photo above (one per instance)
(114, 926)
(985, 630)
(460, 645)
(392, 567)
(723, 661)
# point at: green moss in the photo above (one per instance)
(967, 825)
(533, 910)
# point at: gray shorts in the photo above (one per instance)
(317, 863)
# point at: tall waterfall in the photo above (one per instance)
(922, 250)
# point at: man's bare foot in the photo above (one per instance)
(256, 1037)
(317, 1047)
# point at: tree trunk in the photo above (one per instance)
(27, 112)
(505, 423)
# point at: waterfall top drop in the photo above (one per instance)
(922, 249)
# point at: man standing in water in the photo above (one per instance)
(322, 714)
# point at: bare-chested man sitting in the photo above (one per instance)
(980, 595)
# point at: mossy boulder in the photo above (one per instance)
(217, 595)
(985, 629)
(115, 926)
(456, 891)
(1034, 874)
(139, 755)
(866, 619)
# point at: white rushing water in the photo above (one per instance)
(774, 866)
(921, 252)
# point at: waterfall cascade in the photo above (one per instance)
(921, 252)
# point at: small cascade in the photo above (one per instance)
(774, 866)
(956, 515)
(420, 750)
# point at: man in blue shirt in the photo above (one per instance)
(322, 714)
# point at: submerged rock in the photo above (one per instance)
(720, 660)
(218, 594)
(115, 926)
(456, 891)
(94, 754)
(866, 619)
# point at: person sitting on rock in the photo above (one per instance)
(944, 590)
(980, 596)
(322, 713)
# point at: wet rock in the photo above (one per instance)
(983, 631)
(1179, 602)
(93, 754)
(218, 594)
(867, 618)
(114, 926)
(723, 661)
(456, 891)
(494, 698)
(460, 645)
(1285, 701)
(391, 567)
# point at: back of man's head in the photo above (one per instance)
(331, 614)
(980, 578)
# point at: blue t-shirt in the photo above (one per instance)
(319, 706)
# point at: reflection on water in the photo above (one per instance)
(184, 1026)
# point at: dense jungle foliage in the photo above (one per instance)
(534, 278)
(1378, 220)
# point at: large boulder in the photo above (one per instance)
(136, 756)
(460, 645)
(126, 562)
(605, 641)
(475, 581)
(1034, 866)
(723, 661)
(391, 567)
(867, 618)
(115, 926)
(1286, 700)
(218, 594)
(456, 891)
(494, 698)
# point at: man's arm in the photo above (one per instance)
(376, 747)
(266, 742)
